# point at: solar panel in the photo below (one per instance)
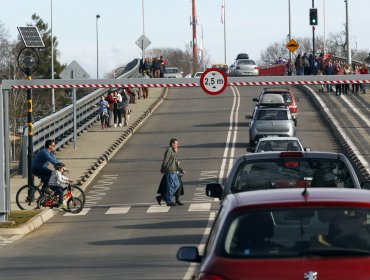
(31, 37)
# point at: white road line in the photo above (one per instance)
(158, 209)
(200, 207)
(193, 267)
(118, 210)
(230, 132)
(344, 134)
(82, 213)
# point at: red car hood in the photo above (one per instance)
(357, 268)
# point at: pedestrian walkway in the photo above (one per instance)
(94, 148)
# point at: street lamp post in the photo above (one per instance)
(349, 58)
(97, 47)
(52, 57)
(28, 61)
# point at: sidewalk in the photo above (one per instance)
(94, 149)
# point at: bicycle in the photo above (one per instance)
(74, 204)
(27, 196)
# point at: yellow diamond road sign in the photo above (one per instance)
(292, 45)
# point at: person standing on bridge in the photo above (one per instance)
(169, 168)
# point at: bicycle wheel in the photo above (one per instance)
(27, 197)
(74, 205)
(78, 192)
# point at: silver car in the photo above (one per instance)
(273, 170)
(244, 67)
(279, 144)
(172, 72)
(270, 121)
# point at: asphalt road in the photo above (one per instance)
(122, 233)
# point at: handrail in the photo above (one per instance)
(59, 125)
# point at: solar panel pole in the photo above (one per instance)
(28, 60)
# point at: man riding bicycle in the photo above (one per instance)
(40, 163)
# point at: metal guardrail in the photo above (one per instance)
(59, 125)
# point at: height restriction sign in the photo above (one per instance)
(213, 81)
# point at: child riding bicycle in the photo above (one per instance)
(58, 182)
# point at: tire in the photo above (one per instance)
(79, 193)
(75, 205)
(22, 198)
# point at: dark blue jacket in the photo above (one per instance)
(42, 159)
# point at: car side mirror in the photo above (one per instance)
(255, 99)
(307, 149)
(189, 254)
(250, 150)
(214, 190)
(248, 117)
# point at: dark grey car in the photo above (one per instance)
(275, 170)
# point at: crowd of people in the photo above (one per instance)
(324, 65)
(114, 107)
(153, 67)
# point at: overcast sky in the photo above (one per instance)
(251, 26)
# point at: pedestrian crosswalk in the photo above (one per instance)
(150, 209)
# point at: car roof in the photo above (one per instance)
(274, 155)
(274, 138)
(220, 65)
(295, 196)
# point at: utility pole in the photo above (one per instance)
(349, 58)
(313, 34)
(194, 23)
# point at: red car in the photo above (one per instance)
(313, 234)
(289, 99)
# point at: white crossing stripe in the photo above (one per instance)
(158, 209)
(200, 207)
(118, 210)
(82, 213)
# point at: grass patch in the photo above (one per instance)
(19, 217)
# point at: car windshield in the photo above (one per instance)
(246, 62)
(279, 145)
(291, 172)
(272, 114)
(171, 70)
(285, 95)
(297, 232)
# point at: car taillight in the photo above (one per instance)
(291, 154)
(207, 276)
(293, 109)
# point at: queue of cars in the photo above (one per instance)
(286, 212)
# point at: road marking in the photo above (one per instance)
(118, 210)
(232, 133)
(98, 190)
(200, 207)
(82, 213)
(158, 209)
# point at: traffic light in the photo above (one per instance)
(313, 16)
